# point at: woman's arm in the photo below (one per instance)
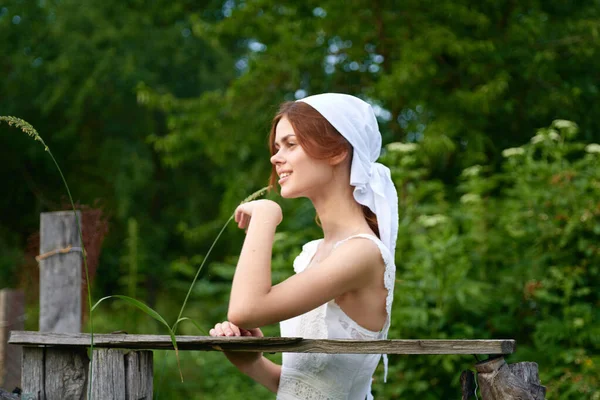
(265, 372)
(254, 302)
(252, 278)
(257, 367)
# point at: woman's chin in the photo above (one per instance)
(287, 193)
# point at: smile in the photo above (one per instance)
(284, 177)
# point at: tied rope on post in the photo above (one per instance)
(50, 253)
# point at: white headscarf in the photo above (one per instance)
(355, 120)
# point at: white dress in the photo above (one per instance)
(319, 376)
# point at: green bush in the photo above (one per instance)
(509, 254)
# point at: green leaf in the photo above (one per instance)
(137, 304)
(151, 313)
(196, 324)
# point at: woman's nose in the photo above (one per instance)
(276, 159)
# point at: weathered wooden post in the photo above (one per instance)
(62, 373)
(49, 372)
(12, 317)
(60, 272)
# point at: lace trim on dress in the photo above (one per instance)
(312, 325)
(355, 333)
(308, 251)
(300, 389)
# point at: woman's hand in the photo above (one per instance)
(266, 210)
(242, 360)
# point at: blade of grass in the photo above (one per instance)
(253, 196)
(152, 313)
(198, 272)
(196, 324)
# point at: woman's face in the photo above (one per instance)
(299, 174)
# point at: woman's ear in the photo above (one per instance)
(336, 160)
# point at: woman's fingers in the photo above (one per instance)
(216, 331)
(242, 215)
(243, 220)
(230, 329)
(226, 328)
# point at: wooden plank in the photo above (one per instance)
(32, 373)
(66, 373)
(60, 273)
(12, 317)
(109, 374)
(139, 375)
(269, 344)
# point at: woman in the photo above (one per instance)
(324, 148)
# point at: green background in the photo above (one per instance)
(158, 113)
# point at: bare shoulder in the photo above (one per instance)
(360, 251)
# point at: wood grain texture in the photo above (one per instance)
(32, 373)
(52, 373)
(139, 373)
(498, 382)
(528, 373)
(12, 317)
(109, 374)
(267, 344)
(60, 274)
(66, 372)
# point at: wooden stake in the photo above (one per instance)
(60, 273)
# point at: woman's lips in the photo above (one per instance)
(285, 178)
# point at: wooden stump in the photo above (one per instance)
(499, 381)
(63, 373)
(528, 373)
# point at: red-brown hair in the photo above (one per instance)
(318, 138)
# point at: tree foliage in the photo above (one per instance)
(159, 113)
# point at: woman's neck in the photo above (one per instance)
(340, 215)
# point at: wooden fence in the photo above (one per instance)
(55, 365)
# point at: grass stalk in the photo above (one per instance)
(253, 196)
(30, 130)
